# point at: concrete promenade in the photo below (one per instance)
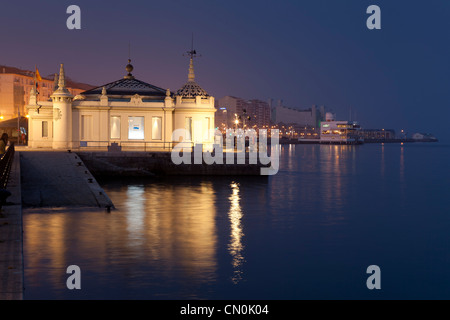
(40, 179)
(11, 253)
(59, 179)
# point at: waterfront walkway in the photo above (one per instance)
(59, 179)
(40, 179)
(11, 255)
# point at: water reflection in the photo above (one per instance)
(316, 182)
(327, 212)
(402, 164)
(338, 164)
(156, 232)
(235, 246)
(135, 204)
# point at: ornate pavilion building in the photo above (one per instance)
(129, 112)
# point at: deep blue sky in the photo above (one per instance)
(304, 52)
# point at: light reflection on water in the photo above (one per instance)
(236, 246)
(308, 232)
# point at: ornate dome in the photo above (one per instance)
(191, 89)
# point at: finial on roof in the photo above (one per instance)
(129, 68)
(192, 53)
(168, 93)
(103, 91)
(191, 88)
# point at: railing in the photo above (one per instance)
(5, 166)
(133, 145)
(140, 145)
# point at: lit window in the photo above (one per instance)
(86, 127)
(207, 127)
(188, 127)
(44, 129)
(115, 127)
(156, 128)
(136, 128)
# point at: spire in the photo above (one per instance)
(192, 54)
(191, 88)
(55, 82)
(62, 78)
(191, 75)
(61, 90)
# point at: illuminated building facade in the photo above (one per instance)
(15, 88)
(128, 112)
(332, 131)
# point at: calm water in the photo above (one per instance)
(309, 232)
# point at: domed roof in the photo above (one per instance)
(127, 87)
(191, 89)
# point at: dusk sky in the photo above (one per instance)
(303, 52)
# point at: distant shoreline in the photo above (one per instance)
(317, 141)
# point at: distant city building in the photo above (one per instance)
(423, 137)
(333, 131)
(376, 134)
(251, 113)
(15, 88)
(259, 112)
(128, 112)
(308, 119)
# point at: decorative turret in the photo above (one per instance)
(62, 90)
(62, 114)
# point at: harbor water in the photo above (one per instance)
(308, 232)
